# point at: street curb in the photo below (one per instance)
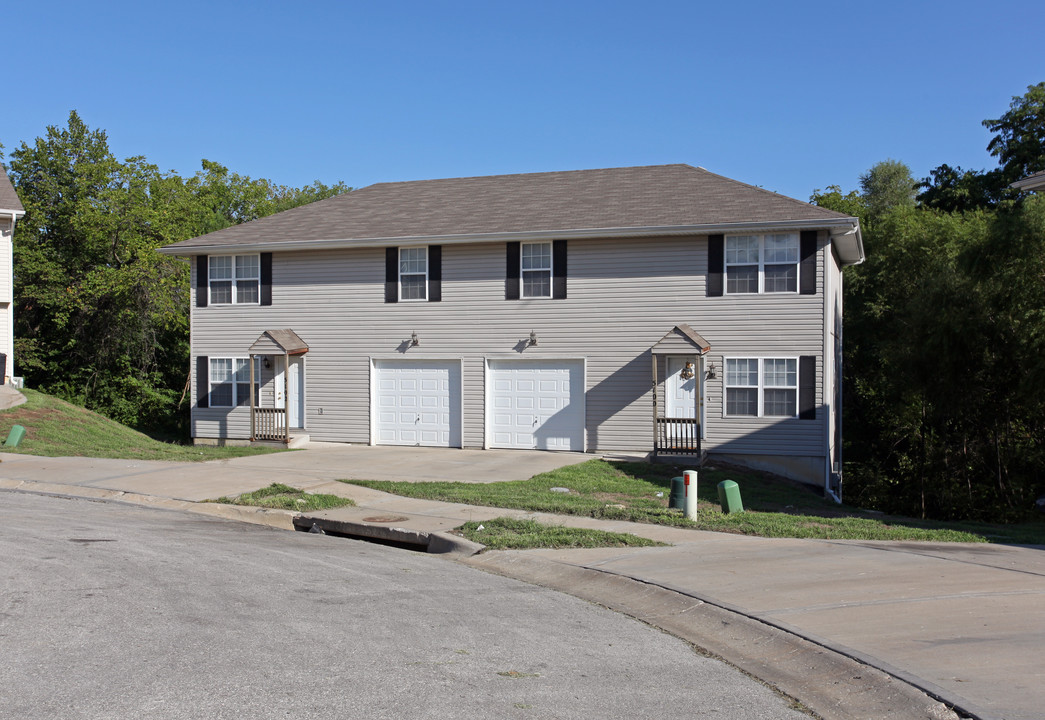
(830, 683)
(440, 543)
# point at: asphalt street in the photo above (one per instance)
(115, 611)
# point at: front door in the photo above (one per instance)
(682, 391)
(295, 389)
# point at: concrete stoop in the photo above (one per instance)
(297, 442)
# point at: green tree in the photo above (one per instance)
(956, 190)
(1019, 140)
(887, 185)
(1019, 145)
(101, 317)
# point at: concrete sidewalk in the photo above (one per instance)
(852, 629)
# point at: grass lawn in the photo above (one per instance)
(774, 507)
(55, 428)
(284, 497)
(514, 534)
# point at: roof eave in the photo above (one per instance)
(1034, 182)
(842, 224)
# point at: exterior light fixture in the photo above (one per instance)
(533, 338)
(266, 362)
(414, 342)
(711, 371)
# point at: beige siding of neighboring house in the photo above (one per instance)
(623, 296)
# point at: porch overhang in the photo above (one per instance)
(279, 342)
(681, 340)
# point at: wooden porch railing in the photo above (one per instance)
(676, 436)
(270, 424)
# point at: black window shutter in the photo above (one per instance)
(266, 278)
(435, 273)
(716, 261)
(201, 281)
(807, 268)
(511, 273)
(202, 381)
(391, 274)
(807, 387)
(559, 269)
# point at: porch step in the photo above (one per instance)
(297, 440)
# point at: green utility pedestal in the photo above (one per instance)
(729, 497)
(15, 436)
(677, 499)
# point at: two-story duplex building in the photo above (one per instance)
(659, 309)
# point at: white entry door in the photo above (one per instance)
(418, 402)
(295, 389)
(536, 404)
(681, 392)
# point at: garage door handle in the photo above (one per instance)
(535, 421)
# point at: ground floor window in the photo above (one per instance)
(757, 387)
(230, 381)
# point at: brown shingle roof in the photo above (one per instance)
(8, 197)
(617, 198)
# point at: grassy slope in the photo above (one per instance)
(775, 508)
(56, 428)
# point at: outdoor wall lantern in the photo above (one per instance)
(265, 361)
(711, 371)
(687, 372)
(414, 342)
(533, 338)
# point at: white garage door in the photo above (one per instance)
(537, 404)
(418, 403)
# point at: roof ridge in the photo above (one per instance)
(530, 174)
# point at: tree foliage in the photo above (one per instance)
(945, 338)
(886, 186)
(101, 318)
(1019, 145)
(1019, 135)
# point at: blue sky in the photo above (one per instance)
(788, 96)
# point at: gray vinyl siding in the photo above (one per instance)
(623, 296)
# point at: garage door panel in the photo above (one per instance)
(546, 398)
(424, 400)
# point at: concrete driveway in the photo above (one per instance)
(321, 462)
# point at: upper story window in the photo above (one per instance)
(234, 279)
(230, 381)
(536, 268)
(413, 273)
(762, 263)
(766, 387)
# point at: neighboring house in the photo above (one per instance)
(10, 210)
(659, 309)
(1031, 182)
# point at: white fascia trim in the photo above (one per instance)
(848, 224)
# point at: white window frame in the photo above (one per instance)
(234, 279)
(550, 270)
(761, 386)
(762, 263)
(401, 274)
(234, 368)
